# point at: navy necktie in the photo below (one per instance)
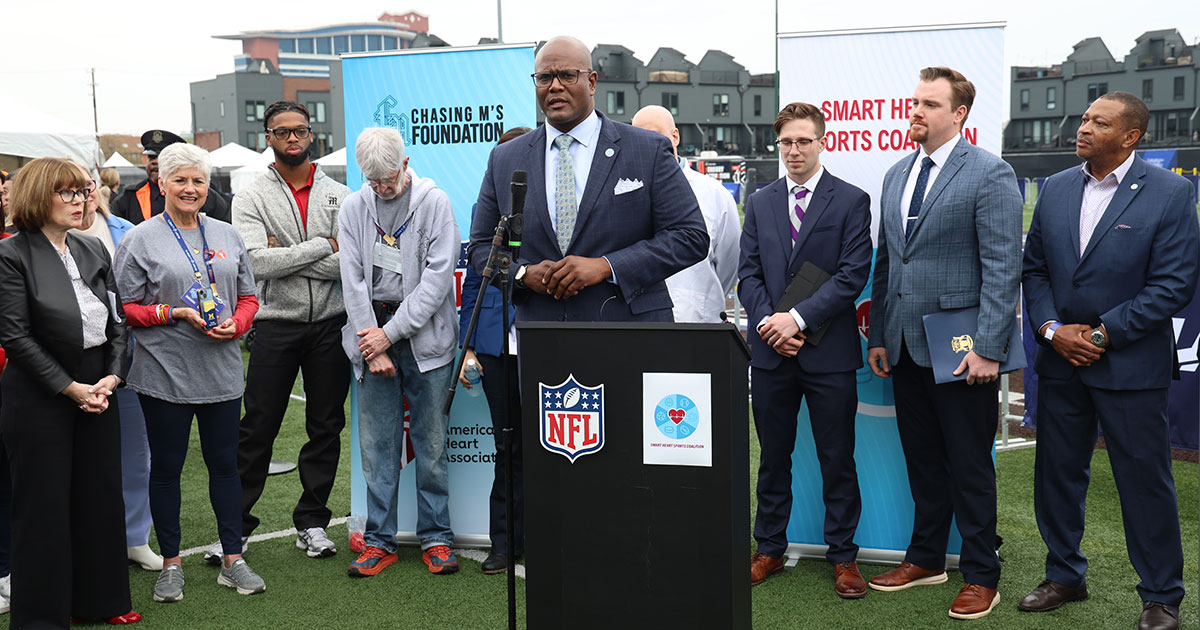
(914, 206)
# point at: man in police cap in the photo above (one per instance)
(145, 199)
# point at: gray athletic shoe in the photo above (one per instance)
(315, 542)
(215, 554)
(169, 587)
(241, 577)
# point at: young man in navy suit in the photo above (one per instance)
(1111, 256)
(807, 216)
(609, 215)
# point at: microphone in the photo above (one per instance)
(516, 218)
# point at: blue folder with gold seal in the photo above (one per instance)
(951, 335)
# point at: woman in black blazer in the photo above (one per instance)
(62, 328)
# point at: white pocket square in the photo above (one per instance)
(626, 185)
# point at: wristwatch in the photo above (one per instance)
(519, 278)
(1099, 339)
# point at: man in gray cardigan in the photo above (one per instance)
(400, 244)
(288, 220)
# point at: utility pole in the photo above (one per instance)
(499, 24)
(95, 116)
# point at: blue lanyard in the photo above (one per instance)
(187, 251)
(390, 239)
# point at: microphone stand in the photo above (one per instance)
(498, 259)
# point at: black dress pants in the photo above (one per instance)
(281, 349)
(68, 514)
(493, 388)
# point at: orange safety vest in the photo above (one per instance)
(143, 197)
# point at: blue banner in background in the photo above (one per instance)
(451, 105)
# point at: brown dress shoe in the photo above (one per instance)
(1051, 595)
(1157, 616)
(762, 567)
(974, 601)
(848, 583)
(907, 575)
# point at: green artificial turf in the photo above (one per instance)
(308, 593)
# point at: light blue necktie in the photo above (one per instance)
(565, 206)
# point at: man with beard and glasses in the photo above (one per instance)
(145, 199)
(288, 218)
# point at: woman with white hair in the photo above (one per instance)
(189, 294)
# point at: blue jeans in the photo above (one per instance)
(381, 440)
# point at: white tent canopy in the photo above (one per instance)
(116, 160)
(240, 178)
(337, 158)
(233, 155)
(29, 132)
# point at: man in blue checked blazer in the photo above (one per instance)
(949, 238)
(609, 215)
(1111, 256)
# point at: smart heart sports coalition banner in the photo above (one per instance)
(451, 105)
(863, 81)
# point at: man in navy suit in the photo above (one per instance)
(807, 216)
(949, 238)
(609, 215)
(1110, 257)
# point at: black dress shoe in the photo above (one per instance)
(495, 563)
(1051, 595)
(1158, 616)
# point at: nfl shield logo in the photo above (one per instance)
(572, 418)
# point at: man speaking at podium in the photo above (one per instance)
(610, 215)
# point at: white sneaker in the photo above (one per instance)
(143, 556)
(315, 542)
(6, 586)
(215, 554)
(5, 606)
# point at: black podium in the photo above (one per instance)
(614, 542)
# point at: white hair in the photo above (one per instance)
(181, 155)
(379, 152)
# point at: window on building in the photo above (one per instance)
(304, 45)
(1172, 124)
(720, 104)
(252, 141)
(1024, 100)
(616, 103)
(758, 104)
(324, 46)
(1147, 89)
(670, 100)
(320, 112)
(374, 42)
(358, 43)
(311, 106)
(1179, 88)
(262, 141)
(254, 110)
(1096, 90)
(287, 45)
(341, 44)
(1051, 97)
(390, 43)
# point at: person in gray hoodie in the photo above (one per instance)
(400, 245)
(288, 218)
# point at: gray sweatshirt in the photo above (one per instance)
(298, 282)
(429, 249)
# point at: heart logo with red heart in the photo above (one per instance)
(676, 415)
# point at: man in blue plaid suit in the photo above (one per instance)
(609, 215)
(949, 238)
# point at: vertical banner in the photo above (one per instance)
(451, 105)
(863, 82)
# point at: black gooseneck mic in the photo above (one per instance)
(516, 219)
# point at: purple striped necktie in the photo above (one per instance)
(797, 214)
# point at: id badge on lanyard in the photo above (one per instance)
(204, 299)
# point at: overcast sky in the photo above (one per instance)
(146, 53)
